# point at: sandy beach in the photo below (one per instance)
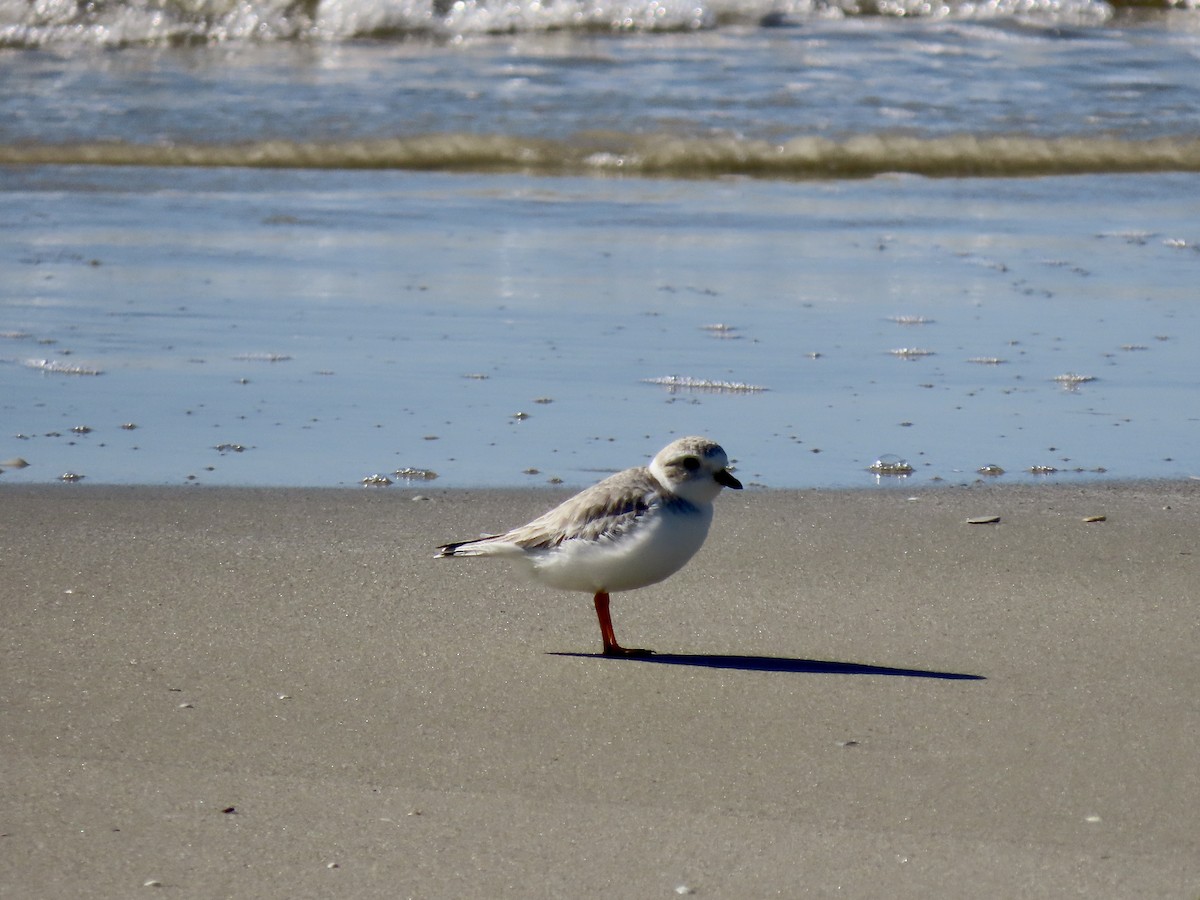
(280, 693)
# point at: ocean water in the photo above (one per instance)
(527, 243)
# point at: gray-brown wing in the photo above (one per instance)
(602, 511)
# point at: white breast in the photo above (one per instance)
(658, 546)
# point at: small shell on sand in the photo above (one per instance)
(61, 368)
(890, 464)
(262, 357)
(722, 331)
(411, 474)
(683, 382)
(1071, 380)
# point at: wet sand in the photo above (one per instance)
(280, 693)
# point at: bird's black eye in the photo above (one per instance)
(691, 463)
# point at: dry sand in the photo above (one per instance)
(280, 693)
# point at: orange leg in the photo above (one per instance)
(611, 647)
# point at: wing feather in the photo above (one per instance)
(600, 512)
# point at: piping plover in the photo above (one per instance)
(632, 529)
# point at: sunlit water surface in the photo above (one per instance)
(318, 328)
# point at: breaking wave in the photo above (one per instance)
(663, 157)
(180, 22)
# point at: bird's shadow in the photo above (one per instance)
(778, 664)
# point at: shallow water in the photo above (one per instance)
(339, 325)
(308, 243)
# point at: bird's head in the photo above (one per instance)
(695, 468)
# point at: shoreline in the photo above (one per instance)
(280, 693)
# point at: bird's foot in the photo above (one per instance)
(627, 652)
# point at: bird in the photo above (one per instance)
(632, 529)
